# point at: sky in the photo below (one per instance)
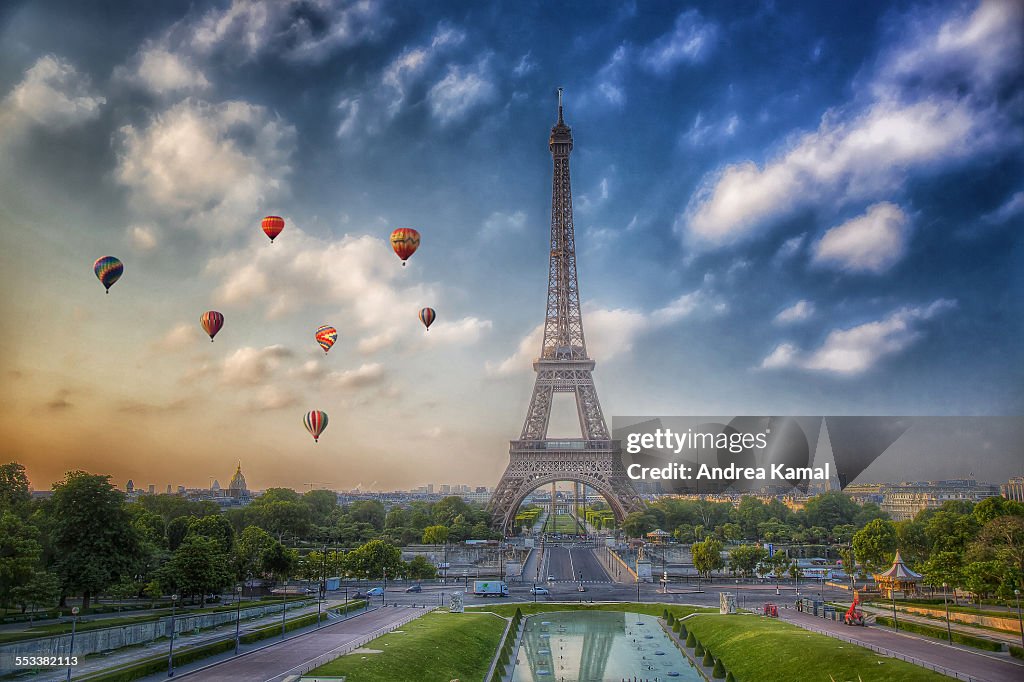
(780, 208)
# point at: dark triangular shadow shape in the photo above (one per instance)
(859, 441)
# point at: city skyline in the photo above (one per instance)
(813, 210)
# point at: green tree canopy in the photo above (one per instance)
(14, 495)
(370, 560)
(875, 544)
(707, 556)
(435, 535)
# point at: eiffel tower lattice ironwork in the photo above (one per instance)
(595, 460)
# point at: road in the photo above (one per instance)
(566, 563)
(277, 662)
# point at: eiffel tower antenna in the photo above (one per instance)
(594, 460)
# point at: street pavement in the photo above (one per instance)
(282, 660)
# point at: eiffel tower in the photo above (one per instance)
(595, 460)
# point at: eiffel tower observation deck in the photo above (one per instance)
(536, 460)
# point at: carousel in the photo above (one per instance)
(899, 578)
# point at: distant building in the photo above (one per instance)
(181, 490)
(168, 488)
(216, 486)
(903, 501)
(236, 488)
(1013, 489)
(152, 489)
(129, 487)
(445, 489)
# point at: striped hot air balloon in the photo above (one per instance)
(108, 270)
(326, 336)
(405, 241)
(427, 316)
(316, 422)
(273, 225)
(212, 321)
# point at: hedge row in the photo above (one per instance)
(1017, 651)
(507, 646)
(940, 633)
(707, 659)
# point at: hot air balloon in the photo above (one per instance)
(273, 225)
(212, 321)
(108, 270)
(326, 336)
(316, 422)
(427, 316)
(405, 241)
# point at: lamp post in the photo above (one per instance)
(637, 588)
(322, 594)
(1016, 593)
(238, 617)
(284, 605)
(892, 593)
(535, 593)
(384, 589)
(71, 647)
(170, 651)
(346, 602)
(949, 631)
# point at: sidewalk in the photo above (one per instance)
(965, 663)
(995, 635)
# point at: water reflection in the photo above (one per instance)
(598, 646)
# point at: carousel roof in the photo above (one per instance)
(899, 571)
(658, 533)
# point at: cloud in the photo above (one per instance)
(358, 277)
(180, 337)
(500, 224)
(466, 331)
(690, 41)
(915, 123)
(459, 92)
(249, 366)
(610, 82)
(798, 312)
(853, 351)
(142, 408)
(702, 132)
(525, 65)
(1011, 208)
(790, 247)
(208, 165)
(268, 398)
(143, 237)
(60, 401)
(369, 374)
(54, 95)
(399, 75)
(297, 30)
(163, 72)
(587, 202)
(609, 332)
(872, 243)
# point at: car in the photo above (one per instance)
(414, 588)
(375, 592)
(581, 589)
(551, 578)
(539, 590)
(357, 595)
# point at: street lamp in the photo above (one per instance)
(895, 623)
(638, 588)
(170, 651)
(949, 631)
(238, 616)
(71, 647)
(384, 589)
(322, 587)
(284, 605)
(1016, 593)
(535, 593)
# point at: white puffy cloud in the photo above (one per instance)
(609, 331)
(162, 71)
(209, 165)
(359, 277)
(53, 94)
(270, 397)
(853, 351)
(143, 237)
(798, 312)
(499, 224)
(249, 366)
(459, 92)
(183, 335)
(690, 40)
(367, 374)
(919, 120)
(873, 242)
(304, 30)
(1011, 208)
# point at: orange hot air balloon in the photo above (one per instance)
(405, 241)
(273, 225)
(212, 321)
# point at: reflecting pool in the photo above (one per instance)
(598, 646)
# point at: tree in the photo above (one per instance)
(732, 532)
(93, 538)
(638, 524)
(40, 591)
(199, 566)
(249, 551)
(435, 535)
(944, 567)
(321, 504)
(830, 509)
(19, 554)
(14, 495)
(875, 543)
(746, 558)
(215, 527)
(177, 529)
(278, 560)
(750, 512)
(684, 533)
(421, 569)
(707, 556)
(370, 560)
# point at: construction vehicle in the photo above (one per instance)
(854, 616)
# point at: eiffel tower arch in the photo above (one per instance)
(535, 460)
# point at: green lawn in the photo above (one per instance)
(768, 650)
(562, 523)
(651, 609)
(436, 646)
